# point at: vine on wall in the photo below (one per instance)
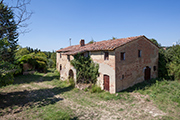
(87, 70)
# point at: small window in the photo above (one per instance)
(139, 53)
(60, 55)
(122, 55)
(60, 67)
(68, 57)
(154, 68)
(122, 77)
(106, 56)
(82, 54)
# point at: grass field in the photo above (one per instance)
(44, 96)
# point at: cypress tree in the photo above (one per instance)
(8, 34)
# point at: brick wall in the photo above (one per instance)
(131, 70)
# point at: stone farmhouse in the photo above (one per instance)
(122, 62)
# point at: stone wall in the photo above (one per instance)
(131, 70)
(65, 66)
(106, 67)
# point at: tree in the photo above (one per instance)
(87, 70)
(21, 14)
(53, 58)
(173, 58)
(113, 38)
(8, 35)
(92, 41)
(21, 52)
(155, 42)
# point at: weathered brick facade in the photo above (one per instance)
(132, 68)
(140, 61)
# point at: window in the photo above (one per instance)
(60, 67)
(154, 68)
(122, 55)
(82, 54)
(68, 57)
(60, 55)
(139, 53)
(122, 77)
(106, 56)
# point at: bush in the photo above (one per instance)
(7, 70)
(87, 70)
(95, 89)
(6, 78)
(72, 83)
(38, 62)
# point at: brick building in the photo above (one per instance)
(122, 62)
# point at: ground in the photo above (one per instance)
(44, 96)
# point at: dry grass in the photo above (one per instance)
(42, 96)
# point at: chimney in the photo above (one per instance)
(82, 42)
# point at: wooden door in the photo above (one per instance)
(147, 73)
(106, 82)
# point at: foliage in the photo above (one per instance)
(7, 70)
(173, 57)
(53, 57)
(72, 83)
(8, 35)
(50, 63)
(21, 52)
(155, 42)
(38, 61)
(95, 89)
(162, 64)
(41, 54)
(92, 41)
(113, 38)
(87, 70)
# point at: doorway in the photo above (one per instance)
(147, 73)
(106, 82)
(71, 74)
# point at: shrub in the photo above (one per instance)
(72, 83)
(87, 70)
(38, 62)
(95, 89)
(7, 70)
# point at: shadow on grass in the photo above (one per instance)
(142, 85)
(21, 79)
(17, 101)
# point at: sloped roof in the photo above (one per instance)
(97, 46)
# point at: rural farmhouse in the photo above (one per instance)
(122, 62)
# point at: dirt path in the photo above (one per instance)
(90, 108)
(83, 106)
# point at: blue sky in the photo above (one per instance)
(55, 21)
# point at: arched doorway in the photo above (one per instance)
(71, 74)
(147, 73)
(106, 82)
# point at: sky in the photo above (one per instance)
(54, 22)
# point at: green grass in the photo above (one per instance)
(165, 94)
(42, 104)
(52, 112)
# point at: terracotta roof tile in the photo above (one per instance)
(96, 46)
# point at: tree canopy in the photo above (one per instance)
(8, 34)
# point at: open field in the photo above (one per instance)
(44, 96)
